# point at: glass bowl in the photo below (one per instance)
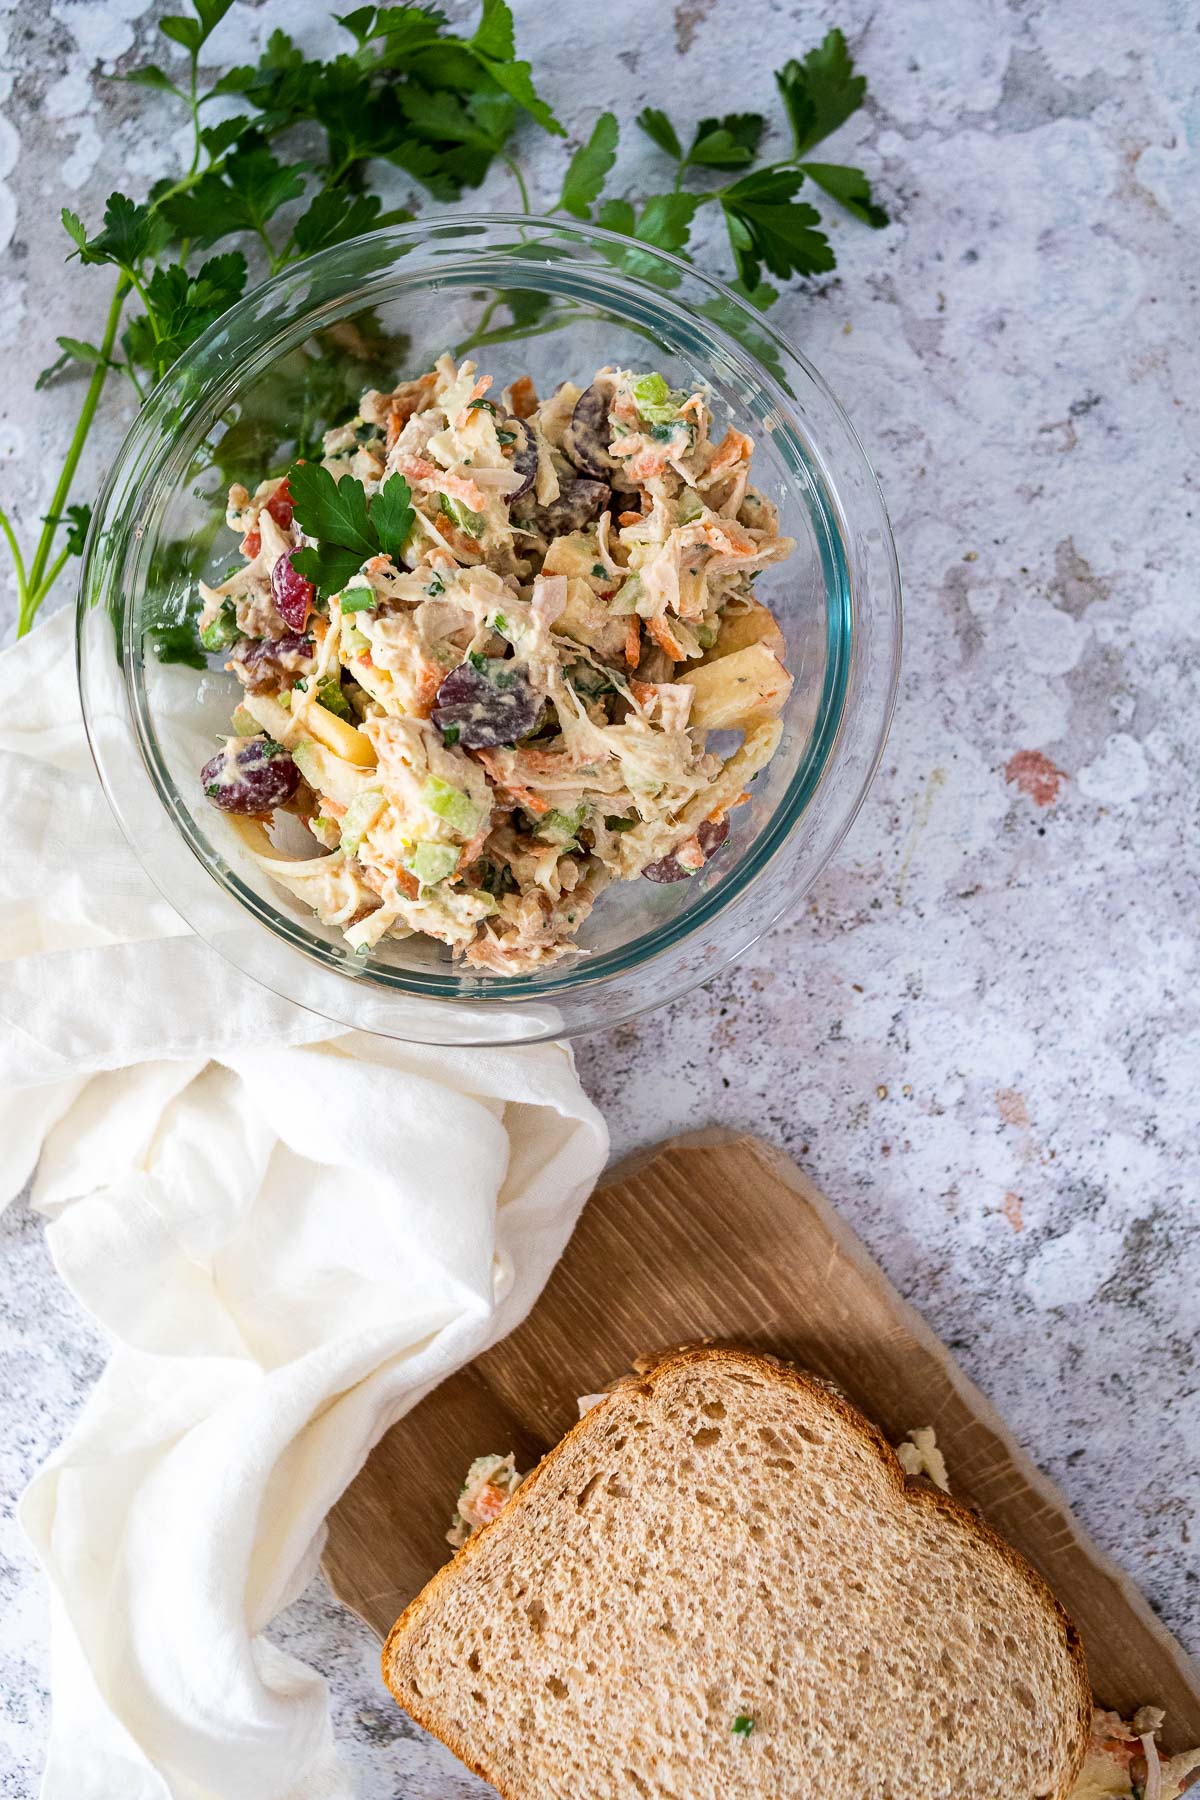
(557, 300)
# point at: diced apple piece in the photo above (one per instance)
(747, 685)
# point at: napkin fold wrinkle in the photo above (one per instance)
(291, 1233)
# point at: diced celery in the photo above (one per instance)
(325, 831)
(244, 723)
(690, 506)
(655, 400)
(431, 862)
(650, 390)
(557, 824)
(355, 641)
(361, 814)
(356, 599)
(329, 693)
(461, 515)
(626, 598)
(450, 803)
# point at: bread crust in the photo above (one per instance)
(913, 1489)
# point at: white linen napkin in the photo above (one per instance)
(290, 1232)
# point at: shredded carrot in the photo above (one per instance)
(524, 796)
(633, 641)
(643, 691)
(428, 683)
(251, 544)
(405, 402)
(455, 487)
(734, 447)
(524, 397)
(660, 631)
(648, 463)
(629, 518)
(477, 392)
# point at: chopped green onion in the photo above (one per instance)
(616, 824)
(506, 437)
(666, 431)
(743, 1725)
(480, 406)
(555, 824)
(499, 623)
(450, 736)
(437, 586)
(223, 630)
(599, 571)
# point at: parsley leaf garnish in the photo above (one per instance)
(820, 93)
(291, 174)
(589, 167)
(728, 143)
(494, 45)
(348, 527)
(850, 188)
(659, 128)
(766, 222)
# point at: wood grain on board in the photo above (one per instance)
(714, 1236)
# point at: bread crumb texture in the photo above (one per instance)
(724, 1541)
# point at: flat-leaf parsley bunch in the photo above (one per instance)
(290, 173)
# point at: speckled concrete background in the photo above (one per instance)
(981, 1034)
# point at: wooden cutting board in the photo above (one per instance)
(715, 1236)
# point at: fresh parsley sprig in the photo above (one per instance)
(767, 225)
(443, 108)
(348, 527)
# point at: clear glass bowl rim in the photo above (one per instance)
(477, 230)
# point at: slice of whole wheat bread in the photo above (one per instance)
(724, 1542)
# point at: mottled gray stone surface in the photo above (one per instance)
(981, 1033)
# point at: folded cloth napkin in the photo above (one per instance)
(291, 1233)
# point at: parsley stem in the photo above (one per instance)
(520, 181)
(48, 579)
(194, 104)
(38, 585)
(18, 559)
(510, 334)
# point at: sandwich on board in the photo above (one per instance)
(721, 1585)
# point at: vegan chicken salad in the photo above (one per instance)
(484, 643)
